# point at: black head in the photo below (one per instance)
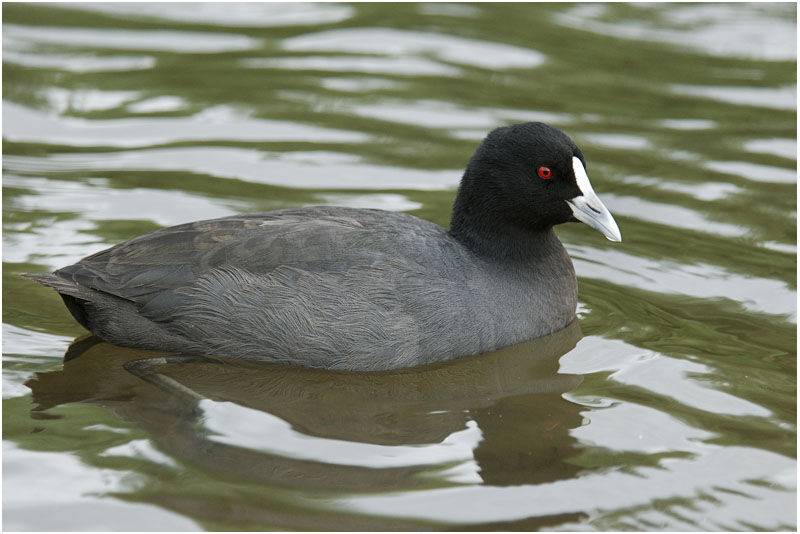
(525, 179)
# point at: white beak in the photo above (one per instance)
(588, 209)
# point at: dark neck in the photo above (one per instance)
(485, 233)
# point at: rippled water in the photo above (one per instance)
(669, 405)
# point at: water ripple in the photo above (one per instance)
(764, 295)
(245, 427)
(214, 123)
(313, 169)
(242, 14)
(766, 97)
(676, 478)
(20, 37)
(397, 43)
(729, 30)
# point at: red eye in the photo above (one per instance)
(545, 172)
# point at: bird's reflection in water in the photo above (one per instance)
(500, 416)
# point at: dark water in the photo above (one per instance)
(669, 405)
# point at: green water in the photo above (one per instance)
(669, 405)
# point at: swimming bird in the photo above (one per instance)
(357, 289)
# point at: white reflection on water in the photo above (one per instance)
(18, 340)
(78, 62)
(14, 380)
(719, 29)
(702, 281)
(707, 191)
(754, 171)
(244, 14)
(669, 214)
(385, 201)
(158, 104)
(778, 146)
(56, 245)
(464, 120)
(84, 507)
(141, 449)
(780, 247)
(216, 123)
(95, 201)
(312, 170)
(626, 426)
(676, 378)
(358, 84)
(51, 245)
(21, 37)
(246, 427)
(23, 348)
(688, 124)
(427, 113)
(411, 66)
(394, 42)
(767, 97)
(722, 473)
(63, 100)
(618, 141)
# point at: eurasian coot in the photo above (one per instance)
(357, 289)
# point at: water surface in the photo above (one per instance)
(670, 404)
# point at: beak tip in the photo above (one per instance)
(598, 218)
(614, 235)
